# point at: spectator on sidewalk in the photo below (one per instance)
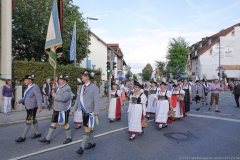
(215, 89)
(7, 95)
(236, 93)
(47, 88)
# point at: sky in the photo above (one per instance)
(143, 28)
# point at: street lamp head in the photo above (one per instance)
(92, 18)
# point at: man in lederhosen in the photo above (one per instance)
(197, 91)
(62, 105)
(32, 101)
(88, 100)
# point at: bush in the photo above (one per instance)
(42, 71)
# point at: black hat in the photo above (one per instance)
(181, 80)
(138, 84)
(64, 77)
(175, 85)
(114, 84)
(154, 82)
(163, 83)
(88, 73)
(196, 81)
(171, 81)
(203, 80)
(29, 77)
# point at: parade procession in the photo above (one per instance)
(119, 80)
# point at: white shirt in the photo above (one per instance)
(177, 92)
(187, 87)
(168, 94)
(118, 92)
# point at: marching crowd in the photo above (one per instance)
(166, 102)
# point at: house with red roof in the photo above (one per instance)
(100, 54)
(221, 49)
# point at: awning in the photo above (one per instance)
(230, 67)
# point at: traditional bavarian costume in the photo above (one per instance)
(136, 112)
(179, 108)
(206, 91)
(114, 111)
(188, 90)
(162, 108)
(150, 105)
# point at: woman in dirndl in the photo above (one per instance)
(178, 101)
(123, 95)
(188, 95)
(114, 111)
(163, 98)
(151, 104)
(136, 112)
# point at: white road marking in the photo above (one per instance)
(225, 114)
(69, 144)
(214, 117)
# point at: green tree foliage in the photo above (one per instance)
(161, 65)
(177, 55)
(147, 72)
(30, 23)
(135, 77)
(42, 71)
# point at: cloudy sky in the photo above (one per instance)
(143, 28)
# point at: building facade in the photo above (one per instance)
(205, 58)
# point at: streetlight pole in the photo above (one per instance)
(87, 38)
(219, 59)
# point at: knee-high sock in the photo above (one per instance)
(85, 139)
(35, 124)
(91, 137)
(50, 132)
(27, 127)
(197, 105)
(68, 132)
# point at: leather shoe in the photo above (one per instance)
(68, 140)
(44, 140)
(20, 139)
(80, 151)
(36, 136)
(90, 146)
(110, 121)
(78, 127)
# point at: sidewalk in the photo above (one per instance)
(17, 117)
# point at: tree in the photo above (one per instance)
(128, 74)
(29, 28)
(147, 72)
(177, 55)
(161, 65)
(135, 77)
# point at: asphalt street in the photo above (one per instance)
(201, 135)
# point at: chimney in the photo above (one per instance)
(209, 40)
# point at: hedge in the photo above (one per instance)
(43, 70)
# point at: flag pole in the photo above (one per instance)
(75, 44)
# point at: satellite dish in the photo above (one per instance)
(79, 80)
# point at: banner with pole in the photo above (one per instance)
(54, 38)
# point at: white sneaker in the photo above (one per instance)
(160, 126)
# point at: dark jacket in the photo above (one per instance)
(236, 89)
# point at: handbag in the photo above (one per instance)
(180, 97)
(144, 122)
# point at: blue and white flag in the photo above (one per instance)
(54, 38)
(73, 43)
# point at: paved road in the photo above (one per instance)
(201, 135)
